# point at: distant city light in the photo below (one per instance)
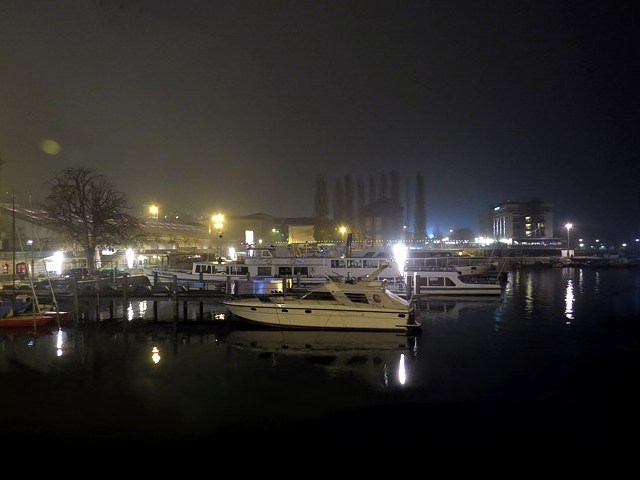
(484, 241)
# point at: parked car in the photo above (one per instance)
(77, 273)
(109, 273)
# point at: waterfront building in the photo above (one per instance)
(526, 223)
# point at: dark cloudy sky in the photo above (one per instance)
(238, 106)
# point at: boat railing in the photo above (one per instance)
(423, 268)
(480, 280)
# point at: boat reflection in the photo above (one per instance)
(381, 359)
(38, 330)
(449, 308)
(378, 357)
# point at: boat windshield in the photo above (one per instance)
(318, 295)
(396, 297)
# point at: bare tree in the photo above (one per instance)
(84, 206)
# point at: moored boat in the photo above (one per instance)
(24, 312)
(424, 260)
(14, 320)
(362, 305)
(448, 281)
(281, 263)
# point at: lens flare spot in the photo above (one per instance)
(50, 147)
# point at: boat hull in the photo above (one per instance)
(329, 318)
(26, 321)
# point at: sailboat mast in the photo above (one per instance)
(13, 238)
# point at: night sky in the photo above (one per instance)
(203, 105)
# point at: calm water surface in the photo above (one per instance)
(553, 364)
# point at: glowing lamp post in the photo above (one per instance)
(568, 226)
(218, 225)
(154, 210)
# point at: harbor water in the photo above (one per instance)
(552, 364)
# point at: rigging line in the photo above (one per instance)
(276, 305)
(36, 305)
(331, 314)
(54, 299)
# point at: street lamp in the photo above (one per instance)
(568, 226)
(218, 225)
(154, 210)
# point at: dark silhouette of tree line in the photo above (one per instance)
(373, 211)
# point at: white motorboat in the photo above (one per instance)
(363, 305)
(448, 281)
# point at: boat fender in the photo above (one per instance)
(312, 269)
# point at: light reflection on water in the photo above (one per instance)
(569, 299)
(535, 342)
